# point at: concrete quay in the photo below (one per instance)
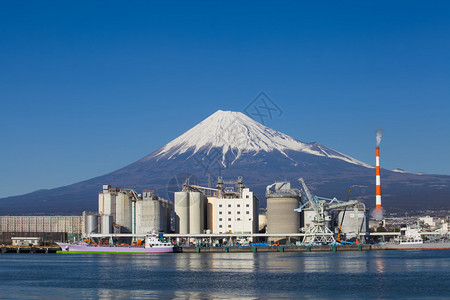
(255, 249)
(29, 249)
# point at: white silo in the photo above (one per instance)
(107, 203)
(123, 211)
(106, 224)
(196, 213)
(91, 224)
(281, 215)
(181, 200)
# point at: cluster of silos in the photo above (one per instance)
(95, 223)
(152, 214)
(190, 212)
(281, 203)
(130, 213)
(115, 207)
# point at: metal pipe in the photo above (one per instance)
(133, 217)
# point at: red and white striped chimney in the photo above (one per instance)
(378, 180)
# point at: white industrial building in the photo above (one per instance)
(227, 210)
(236, 215)
(427, 220)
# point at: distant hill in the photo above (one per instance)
(230, 144)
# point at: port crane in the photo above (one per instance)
(318, 232)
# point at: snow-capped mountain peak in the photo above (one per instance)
(237, 133)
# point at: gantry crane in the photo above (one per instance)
(318, 232)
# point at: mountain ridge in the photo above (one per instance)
(231, 130)
(222, 146)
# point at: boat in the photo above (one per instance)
(410, 236)
(152, 245)
(411, 239)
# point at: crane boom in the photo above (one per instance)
(312, 201)
(307, 192)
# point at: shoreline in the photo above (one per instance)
(243, 249)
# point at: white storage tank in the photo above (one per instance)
(91, 223)
(196, 213)
(123, 211)
(107, 203)
(181, 200)
(106, 224)
(281, 216)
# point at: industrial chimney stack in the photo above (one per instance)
(378, 180)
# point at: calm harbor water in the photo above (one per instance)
(372, 274)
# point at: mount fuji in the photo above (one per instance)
(231, 144)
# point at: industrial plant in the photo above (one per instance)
(224, 209)
(227, 214)
(124, 211)
(319, 219)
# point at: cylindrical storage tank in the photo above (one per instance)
(181, 212)
(106, 224)
(123, 212)
(281, 217)
(107, 203)
(91, 224)
(195, 213)
(262, 221)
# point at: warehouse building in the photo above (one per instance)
(47, 228)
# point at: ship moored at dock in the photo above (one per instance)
(152, 245)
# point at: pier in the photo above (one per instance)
(255, 249)
(29, 249)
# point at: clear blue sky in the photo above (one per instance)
(87, 87)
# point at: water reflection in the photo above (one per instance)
(216, 262)
(404, 274)
(314, 262)
(379, 262)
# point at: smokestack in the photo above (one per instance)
(378, 180)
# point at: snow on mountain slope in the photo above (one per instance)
(237, 133)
